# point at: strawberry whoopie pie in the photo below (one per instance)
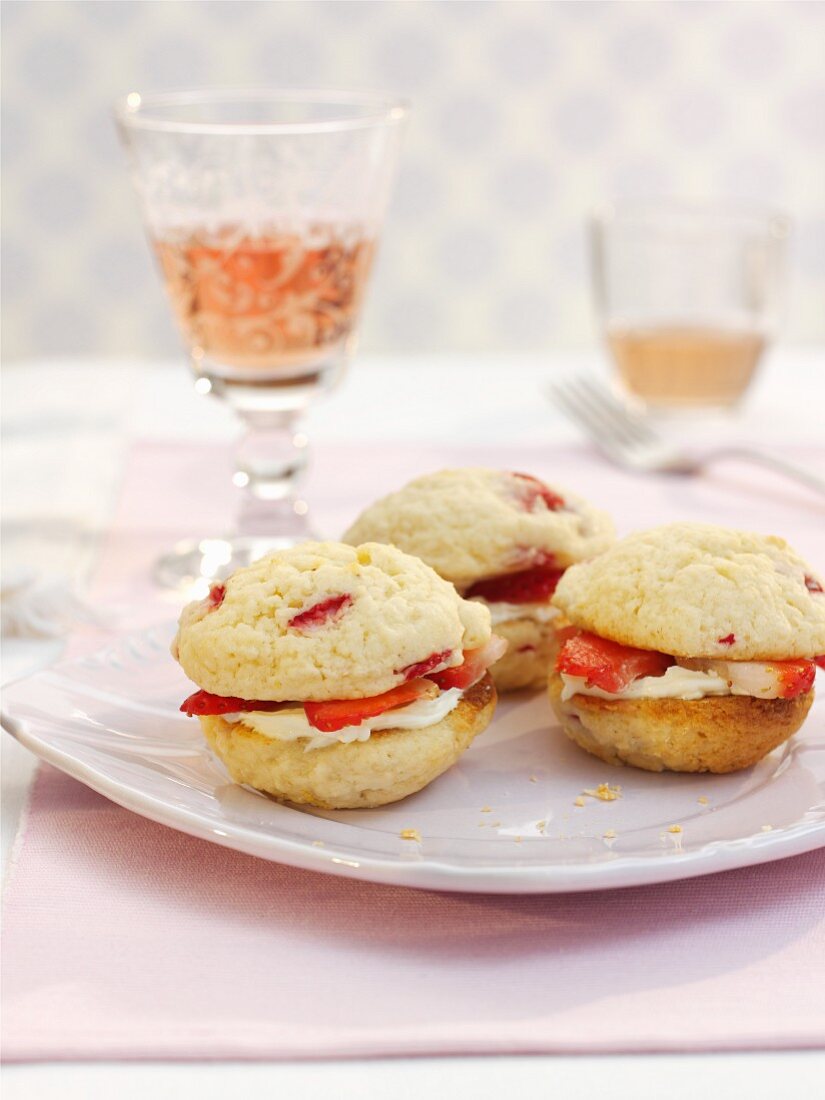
(692, 648)
(338, 676)
(504, 540)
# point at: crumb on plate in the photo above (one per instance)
(410, 834)
(604, 792)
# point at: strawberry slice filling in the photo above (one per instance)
(326, 716)
(205, 703)
(613, 667)
(475, 664)
(795, 677)
(608, 665)
(762, 679)
(534, 585)
(335, 714)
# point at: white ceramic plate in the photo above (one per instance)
(503, 820)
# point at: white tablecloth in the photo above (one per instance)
(66, 428)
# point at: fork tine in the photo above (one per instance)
(634, 421)
(624, 435)
(599, 431)
(630, 421)
(583, 411)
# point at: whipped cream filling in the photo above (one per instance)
(676, 683)
(502, 612)
(292, 724)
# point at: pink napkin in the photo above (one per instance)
(125, 939)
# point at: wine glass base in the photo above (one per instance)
(194, 564)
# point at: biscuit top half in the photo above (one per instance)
(696, 590)
(325, 621)
(471, 524)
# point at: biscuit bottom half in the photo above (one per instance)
(531, 651)
(389, 766)
(715, 734)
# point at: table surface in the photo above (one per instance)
(67, 426)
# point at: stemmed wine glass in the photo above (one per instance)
(263, 209)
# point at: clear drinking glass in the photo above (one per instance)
(688, 297)
(263, 210)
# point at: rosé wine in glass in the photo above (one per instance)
(264, 306)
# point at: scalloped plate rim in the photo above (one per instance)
(436, 874)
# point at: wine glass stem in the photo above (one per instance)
(270, 460)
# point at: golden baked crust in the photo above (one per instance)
(531, 651)
(716, 734)
(697, 590)
(474, 523)
(398, 612)
(389, 766)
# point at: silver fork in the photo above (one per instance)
(629, 441)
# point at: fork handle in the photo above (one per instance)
(789, 469)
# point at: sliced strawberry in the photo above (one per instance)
(337, 713)
(609, 665)
(421, 668)
(204, 702)
(320, 612)
(795, 677)
(534, 585)
(216, 595)
(462, 676)
(475, 664)
(760, 679)
(728, 639)
(820, 661)
(531, 490)
(564, 633)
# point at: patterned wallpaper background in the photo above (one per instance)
(526, 115)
